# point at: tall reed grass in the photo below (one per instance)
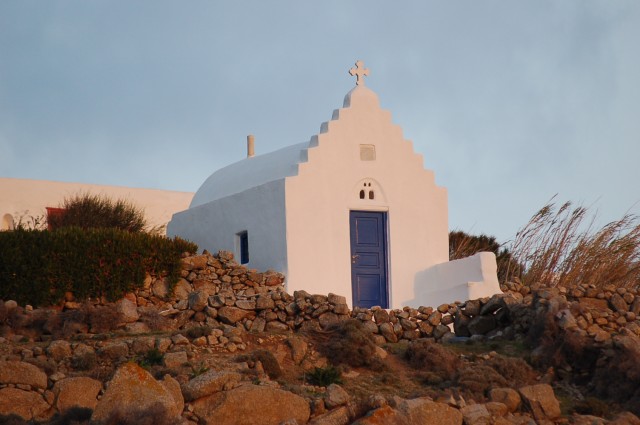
(561, 246)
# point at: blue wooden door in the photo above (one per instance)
(369, 258)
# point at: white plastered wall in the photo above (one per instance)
(259, 211)
(319, 198)
(21, 198)
(459, 280)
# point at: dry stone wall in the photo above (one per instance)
(216, 291)
(229, 300)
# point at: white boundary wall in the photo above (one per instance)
(24, 198)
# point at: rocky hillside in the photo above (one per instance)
(227, 345)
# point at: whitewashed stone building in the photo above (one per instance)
(353, 211)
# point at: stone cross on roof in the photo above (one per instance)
(359, 71)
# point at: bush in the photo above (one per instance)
(156, 322)
(592, 406)
(154, 415)
(429, 356)
(477, 379)
(152, 357)
(73, 416)
(198, 331)
(349, 343)
(514, 369)
(38, 267)
(86, 361)
(92, 211)
(325, 376)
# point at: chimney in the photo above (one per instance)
(250, 146)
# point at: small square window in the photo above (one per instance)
(367, 152)
(243, 246)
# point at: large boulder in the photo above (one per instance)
(508, 396)
(26, 404)
(541, 401)
(173, 386)
(133, 389)
(22, 373)
(209, 383)
(59, 350)
(425, 410)
(231, 315)
(198, 300)
(339, 416)
(476, 414)
(336, 396)
(385, 415)
(76, 392)
(251, 404)
(128, 310)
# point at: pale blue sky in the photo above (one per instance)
(510, 102)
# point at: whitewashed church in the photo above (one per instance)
(353, 211)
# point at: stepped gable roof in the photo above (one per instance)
(260, 169)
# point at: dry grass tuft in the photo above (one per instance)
(154, 415)
(560, 247)
(478, 379)
(429, 356)
(350, 344)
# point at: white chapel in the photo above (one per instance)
(352, 211)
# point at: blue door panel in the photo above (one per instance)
(369, 258)
(368, 288)
(367, 232)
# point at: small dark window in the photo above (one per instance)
(371, 195)
(243, 239)
(362, 194)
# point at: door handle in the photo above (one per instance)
(354, 258)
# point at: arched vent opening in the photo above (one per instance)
(368, 190)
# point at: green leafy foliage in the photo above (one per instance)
(38, 267)
(198, 370)
(152, 357)
(325, 376)
(93, 211)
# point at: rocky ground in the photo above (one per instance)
(229, 346)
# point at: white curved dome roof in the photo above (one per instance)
(251, 172)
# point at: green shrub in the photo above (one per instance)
(93, 211)
(152, 357)
(38, 267)
(198, 370)
(325, 376)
